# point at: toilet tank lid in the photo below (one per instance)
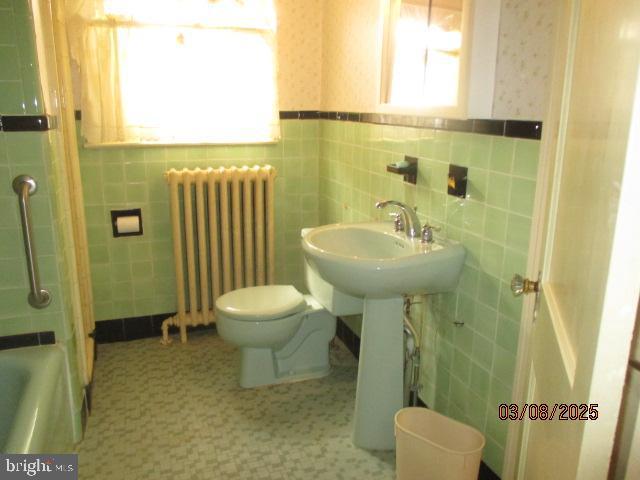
(261, 303)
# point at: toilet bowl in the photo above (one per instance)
(283, 335)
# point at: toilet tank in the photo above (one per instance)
(337, 302)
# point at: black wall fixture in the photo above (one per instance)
(408, 169)
(457, 181)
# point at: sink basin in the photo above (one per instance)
(371, 260)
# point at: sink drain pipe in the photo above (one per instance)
(411, 359)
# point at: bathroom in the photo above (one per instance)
(541, 129)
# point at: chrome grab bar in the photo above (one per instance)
(25, 186)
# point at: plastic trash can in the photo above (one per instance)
(430, 446)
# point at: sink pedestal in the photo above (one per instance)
(380, 374)
(374, 262)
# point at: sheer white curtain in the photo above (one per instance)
(176, 71)
(411, 43)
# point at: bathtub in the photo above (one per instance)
(35, 413)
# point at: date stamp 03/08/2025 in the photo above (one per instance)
(544, 411)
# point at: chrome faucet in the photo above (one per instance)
(411, 220)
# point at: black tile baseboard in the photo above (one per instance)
(135, 328)
(486, 473)
(27, 123)
(47, 338)
(27, 340)
(350, 339)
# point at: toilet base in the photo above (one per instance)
(304, 357)
(258, 368)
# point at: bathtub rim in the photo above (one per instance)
(44, 365)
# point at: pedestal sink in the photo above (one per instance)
(372, 261)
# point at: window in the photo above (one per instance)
(423, 54)
(172, 71)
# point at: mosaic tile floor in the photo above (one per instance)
(177, 413)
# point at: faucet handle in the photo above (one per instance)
(398, 222)
(427, 233)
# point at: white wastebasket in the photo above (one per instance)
(430, 446)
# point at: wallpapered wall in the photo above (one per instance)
(350, 58)
(328, 56)
(300, 53)
(523, 69)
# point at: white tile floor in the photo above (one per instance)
(177, 413)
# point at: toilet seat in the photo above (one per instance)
(268, 302)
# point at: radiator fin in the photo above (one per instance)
(223, 237)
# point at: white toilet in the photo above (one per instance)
(282, 334)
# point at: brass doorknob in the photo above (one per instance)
(520, 285)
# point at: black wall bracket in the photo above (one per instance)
(457, 181)
(408, 169)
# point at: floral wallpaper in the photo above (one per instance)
(300, 53)
(350, 55)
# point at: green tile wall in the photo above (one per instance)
(40, 155)
(27, 153)
(468, 370)
(30, 153)
(134, 276)
(33, 153)
(19, 83)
